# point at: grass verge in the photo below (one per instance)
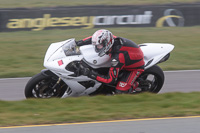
(46, 111)
(22, 53)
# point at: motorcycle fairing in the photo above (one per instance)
(92, 57)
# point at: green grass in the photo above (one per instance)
(22, 53)
(38, 111)
(53, 3)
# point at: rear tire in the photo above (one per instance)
(40, 86)
(152, 79)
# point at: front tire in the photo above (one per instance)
(41, 86)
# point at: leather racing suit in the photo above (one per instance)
(125, 56)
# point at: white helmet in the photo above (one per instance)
(102, 40)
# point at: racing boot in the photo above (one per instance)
(135, 88)
(121, 92)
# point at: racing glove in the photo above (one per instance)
(86, 71)
(80, 43)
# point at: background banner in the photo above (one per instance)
(86, 17)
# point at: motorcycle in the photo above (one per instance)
(59, 79)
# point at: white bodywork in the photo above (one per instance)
(60, 54)
(155, 51)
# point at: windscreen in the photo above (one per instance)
(70, 48)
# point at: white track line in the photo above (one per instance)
(183, 71)
(15, 78)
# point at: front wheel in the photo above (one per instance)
(43, 86)
(151, 80)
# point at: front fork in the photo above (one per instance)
(57, 83)
(55, 86)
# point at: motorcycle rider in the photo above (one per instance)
(125, 56)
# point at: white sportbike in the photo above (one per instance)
(60, 79)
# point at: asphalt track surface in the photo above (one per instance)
(154, 125)
(12, 89)
(175, 81)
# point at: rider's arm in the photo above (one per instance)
(117, 65)
(85, 41)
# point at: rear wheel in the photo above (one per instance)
(41, 86)
(151, 80)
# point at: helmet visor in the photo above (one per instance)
(99, 47)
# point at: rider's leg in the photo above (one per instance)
(126, 83)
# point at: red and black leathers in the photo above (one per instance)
(125, 56)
